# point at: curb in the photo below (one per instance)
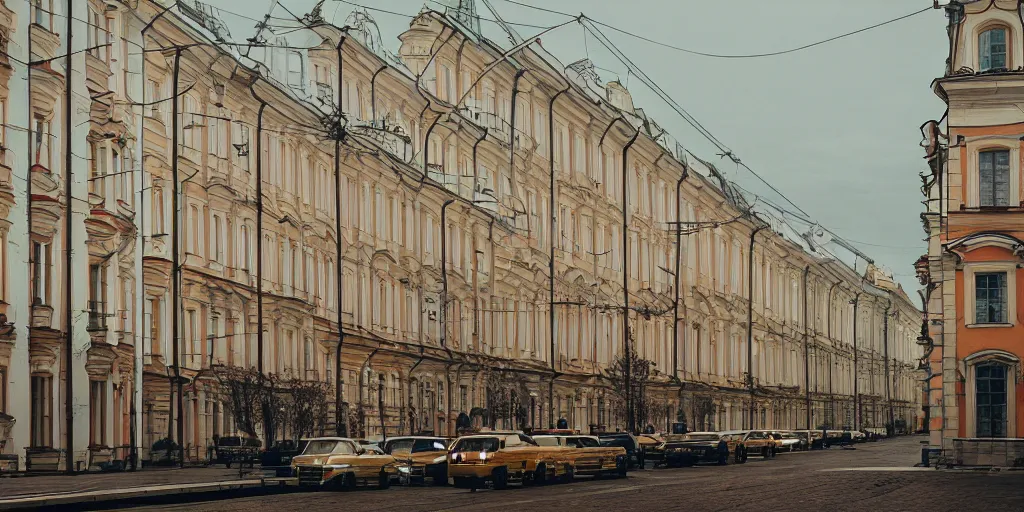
(109, 495)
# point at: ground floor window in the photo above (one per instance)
(42, 411)
(990, 395)
(97, 412)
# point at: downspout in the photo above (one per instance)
(807, 352)
(750, 322)
(175, 266)
(512, 123)
(340, 423)
(630, 406)
(373, 89)
(69, 387)
(259, 228)
(551, 256)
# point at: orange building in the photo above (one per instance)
(975, 222)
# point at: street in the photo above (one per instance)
(874, 476)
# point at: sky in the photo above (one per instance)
(834, 127)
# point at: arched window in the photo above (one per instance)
(992, 49)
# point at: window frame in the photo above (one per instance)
(970, 270)
(992, 153)
(985, 46)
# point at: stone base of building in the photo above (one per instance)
(996, 452)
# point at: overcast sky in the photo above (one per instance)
(834, 127)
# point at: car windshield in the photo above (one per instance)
(546, 441)
(789, 435)
(416, 446)
(701, 437)
(477, 444)
(324, 447)
(231, 441)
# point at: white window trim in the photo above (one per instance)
(979, 144)
(969, 271)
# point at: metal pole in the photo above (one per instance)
(856, 392)
(630, 402)
(807, 352)
(340, 423)
(444, 310)
(750, 323)
(551, 255)
(676, 272)
(885, 341)
(69, 387)
(175, 265)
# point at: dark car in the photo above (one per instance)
(704, 447)
(277, 460)
(634, 453)
(240, 449)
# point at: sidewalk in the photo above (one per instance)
(35, 491)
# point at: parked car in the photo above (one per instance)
(787, 440)
(627, 441)
(701, 447)
(238, 449)
(586, 454)
(759, 442)
(341, 463)
(422, 457)
(504, 457)
(276, 461)
(652, 446)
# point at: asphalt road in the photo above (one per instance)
(874, 476)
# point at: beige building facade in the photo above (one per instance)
(498, 217)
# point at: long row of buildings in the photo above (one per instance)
(452, 212)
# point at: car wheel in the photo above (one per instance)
(384, 480)
(569, 475)
(738, 457)
(500, 478)
(227, 463)
(540, 475)
(622, 468)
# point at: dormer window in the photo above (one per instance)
(992, 49)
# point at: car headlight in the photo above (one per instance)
(439, 459)
(337, 466)
(403, 469)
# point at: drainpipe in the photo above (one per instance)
(259, 229)
(551, 255)
(444, 275)
(340, 424)
(807, 353)
(750, 321)
(175, 266)
(373, 92)
(512, 123)
(856, 393)
(69, 388)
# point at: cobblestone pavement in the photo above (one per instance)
(30, 485)
(874, 476)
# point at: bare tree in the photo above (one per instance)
(507, 396)
(245, 391)
(702, 407)
(307, 406)
(631, 386)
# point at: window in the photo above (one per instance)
(42, 410)
(97, 412)
(158, 211)
(3, 113)
(994, 177)
(194, 239)
(42, 144)
(992, 49)
(191, 124)
(296, 76)
(990, 396)
(153, 98)
(990, 298)
(246, 251)
(97, 296)
(42, 13)
(216, 255)
(41, 265)
(3, 389)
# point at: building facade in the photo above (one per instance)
(973, 192)
(503, 224)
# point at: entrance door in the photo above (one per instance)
(990, 380)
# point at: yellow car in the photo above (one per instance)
(341, 463)
(586, 455)
(503, 457)
(760, 442)
(421, 457)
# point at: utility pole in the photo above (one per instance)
(888, 389)
(175, 265)
(340, 421)
(69, 387)
(807, 352)
(856, 383)
(630, 399)
(750, 322)
(553, 211)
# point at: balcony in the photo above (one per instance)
(97, 316)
